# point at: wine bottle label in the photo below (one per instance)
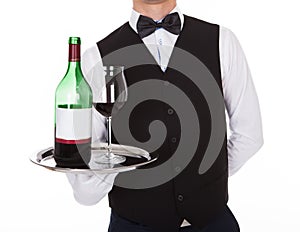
(73, 125)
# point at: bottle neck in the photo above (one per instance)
(74, 60)
(74, 66)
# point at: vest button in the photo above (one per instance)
(170, 111)
(174, 140)
(180, 198)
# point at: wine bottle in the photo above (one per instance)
(73, 114)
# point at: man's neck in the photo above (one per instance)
(156, 11)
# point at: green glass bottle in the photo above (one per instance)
(73, 114)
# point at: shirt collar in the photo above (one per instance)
(135, 17)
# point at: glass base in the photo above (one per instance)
(110, 158)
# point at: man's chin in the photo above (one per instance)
(154, 1)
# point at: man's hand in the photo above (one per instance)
(90, 189)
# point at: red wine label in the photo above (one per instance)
(73, 126)
(81, 141)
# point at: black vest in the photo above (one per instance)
(189, 195)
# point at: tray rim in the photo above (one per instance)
(37, 160)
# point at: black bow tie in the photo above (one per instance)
(146, 26)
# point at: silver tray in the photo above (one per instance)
(135, 158)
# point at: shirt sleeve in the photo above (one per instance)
(92, 68)
(241, 102)
(90, 189)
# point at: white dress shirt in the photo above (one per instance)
(240, 98)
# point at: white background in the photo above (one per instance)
(264, 194)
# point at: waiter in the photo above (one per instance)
(192, 200)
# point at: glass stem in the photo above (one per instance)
(108, 119)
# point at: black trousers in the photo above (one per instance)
(225, 222)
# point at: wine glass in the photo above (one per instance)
(110, 93)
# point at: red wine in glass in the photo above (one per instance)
(104, 108)
(108, 94)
